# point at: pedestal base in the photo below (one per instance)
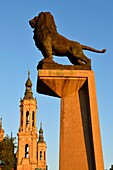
(80, 143)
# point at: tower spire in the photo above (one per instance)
(41, 137)
(28, 92)
(28, 74)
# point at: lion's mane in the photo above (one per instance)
(44, 26)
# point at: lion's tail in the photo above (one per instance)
(93, 49)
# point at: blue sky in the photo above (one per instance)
(88, 22)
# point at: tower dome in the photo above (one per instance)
(41, 137)
(28, 91)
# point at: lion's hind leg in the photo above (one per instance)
(86, 60)
(75, 60)
(82, 59)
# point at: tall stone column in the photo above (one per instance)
(80, 142)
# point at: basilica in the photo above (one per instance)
(31, 151)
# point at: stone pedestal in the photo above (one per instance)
(80, 142)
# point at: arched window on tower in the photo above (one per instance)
(26, 151)
(21, 118)
(40, 155)
(44, 155)
(27, 118)
(33, 116)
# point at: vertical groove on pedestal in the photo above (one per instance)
(86, 122)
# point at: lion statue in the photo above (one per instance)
(50, 42)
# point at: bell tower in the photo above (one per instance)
(1, 131)
(27, 134)
(41, 150)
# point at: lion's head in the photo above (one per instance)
(43, 25)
